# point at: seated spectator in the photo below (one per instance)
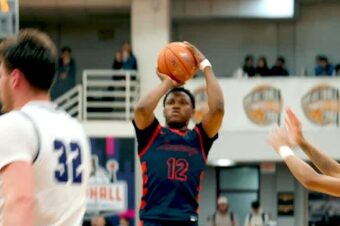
(129, 60)
(118, 61)
(262, 67)
(337, 70)
(247, 70)
(323, 67)
(66, 73)
(279, 69)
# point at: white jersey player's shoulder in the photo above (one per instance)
(18, 140)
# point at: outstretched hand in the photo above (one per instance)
(278, 137)
(294, 128)
(199, 56)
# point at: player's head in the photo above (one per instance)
(179, 107)
(222, 204)
(27, 62)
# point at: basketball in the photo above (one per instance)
(177, 61)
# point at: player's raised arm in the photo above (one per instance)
(325, 164)
(18, 185)
(212, 120)
(304, 173)
(144, 110)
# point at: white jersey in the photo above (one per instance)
(58, 149)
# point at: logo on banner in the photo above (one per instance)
(105, 193)
(201, 99)
(321, 105)
(263, 105)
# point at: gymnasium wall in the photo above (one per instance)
(226, 42)
(93, 43)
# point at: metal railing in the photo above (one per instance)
(71, 102)
(109, 94)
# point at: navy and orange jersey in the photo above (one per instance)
(172, 163)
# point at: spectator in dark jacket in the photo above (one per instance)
(66, 73)
(129, 60)
(247, 69)
(279, 69)
(323, 67)
(118, 61)
(262, 67)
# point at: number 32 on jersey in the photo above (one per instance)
(66, 169)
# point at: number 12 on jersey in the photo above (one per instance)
(66, 151)
(177, 169)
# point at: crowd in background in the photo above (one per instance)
(249, 69)
(261, 69)
(66, 77)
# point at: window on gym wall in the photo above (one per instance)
(241, 186)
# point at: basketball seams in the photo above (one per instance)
(167, 67)
(179, 60)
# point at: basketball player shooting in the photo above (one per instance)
(284, 139)
(44, 153)
(173, 157)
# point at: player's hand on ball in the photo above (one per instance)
(168, 80)
(199, 56)
(278, 137)
(294, 128)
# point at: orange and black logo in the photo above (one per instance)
(321, 105)
(263, 105)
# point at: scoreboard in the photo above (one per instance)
(9, 18)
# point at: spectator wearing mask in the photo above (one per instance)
(247, 70)
(256, 217)
(279, 69)
(223, 216)
(323, 67)
(262, 67)
(118, 61)
(129, 60)
(66, 73)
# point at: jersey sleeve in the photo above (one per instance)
(206, 140)
(145, 135)
(17, 139)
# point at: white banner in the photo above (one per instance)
(257, 104)
(105, 193)
(107, 197)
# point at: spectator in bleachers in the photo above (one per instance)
(247, 70)
(337, 70)
(118, 61)
(279, 69)
(323, 67)
(262, 67)
(129, 60)
(223, 216)
(66, 73)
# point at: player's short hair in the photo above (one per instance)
(183, 90)
(34, 54)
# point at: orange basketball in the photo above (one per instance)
(177, 61)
